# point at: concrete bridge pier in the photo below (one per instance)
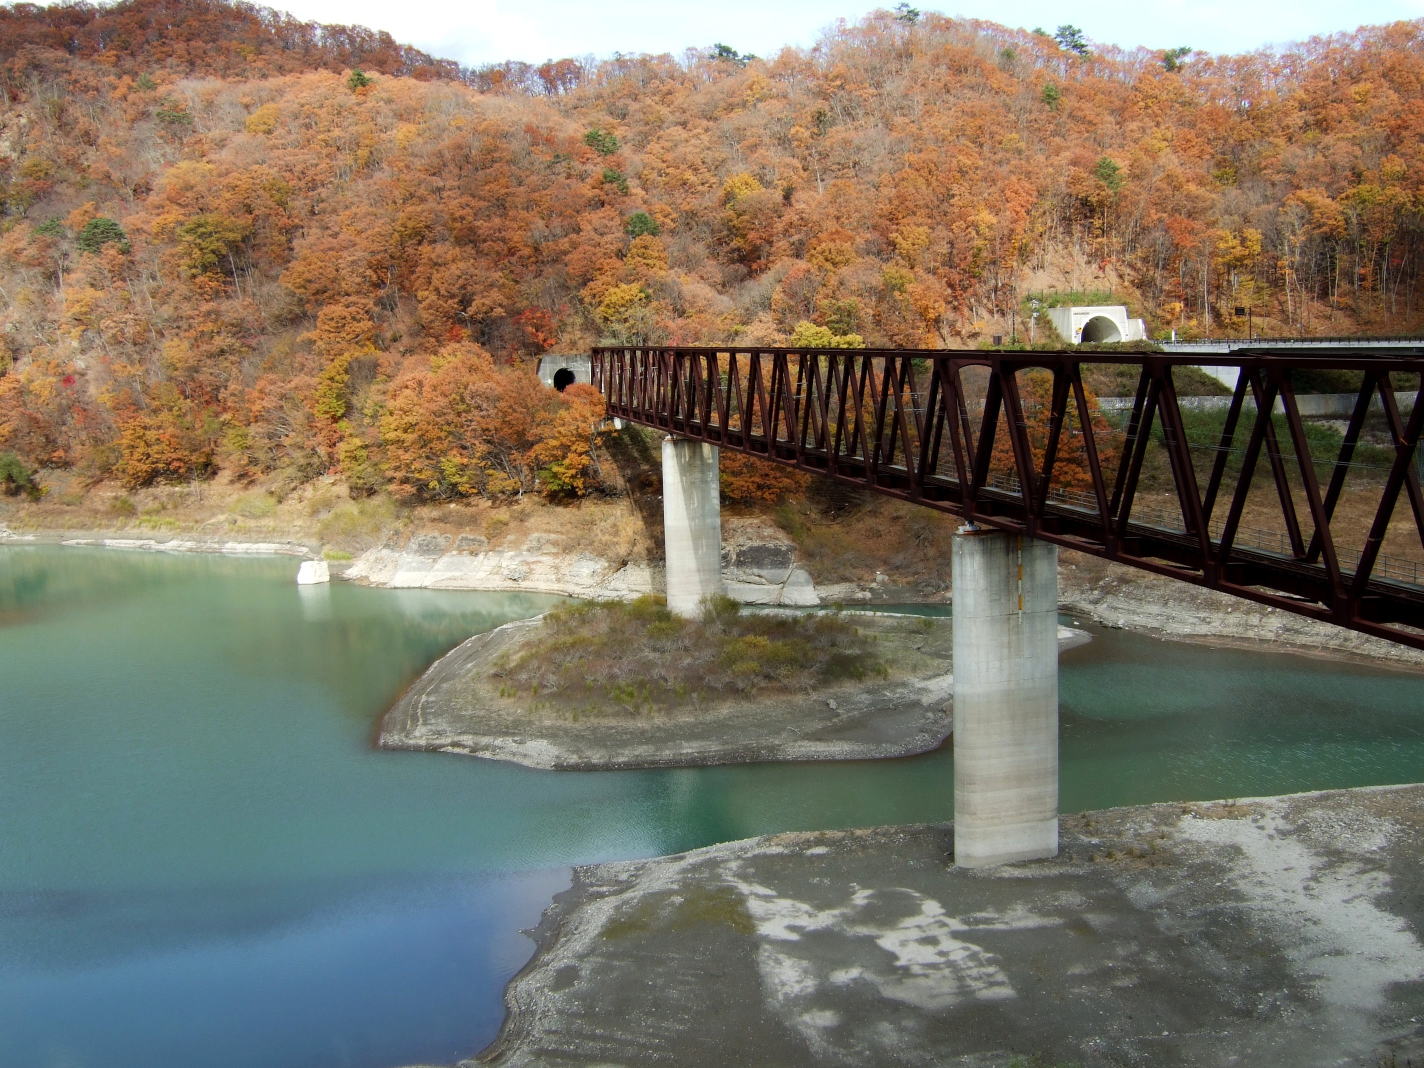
(1005, 698)
(692, 524)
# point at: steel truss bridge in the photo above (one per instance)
(1251, 500)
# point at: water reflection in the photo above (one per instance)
(315, 599)
(367, 975)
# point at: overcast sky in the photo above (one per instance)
(476, 32)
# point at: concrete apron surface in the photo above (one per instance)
(1278, 931)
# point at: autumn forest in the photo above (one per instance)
(234, 242)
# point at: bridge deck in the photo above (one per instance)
(1016, 441)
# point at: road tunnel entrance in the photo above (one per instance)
(1100, 329)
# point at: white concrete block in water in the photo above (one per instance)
(1005, 698)
(692, 523)
(313, 572)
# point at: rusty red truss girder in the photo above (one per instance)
(1016, 441)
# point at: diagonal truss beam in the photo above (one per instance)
(1015, 440)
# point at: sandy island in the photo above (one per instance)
(456, 707)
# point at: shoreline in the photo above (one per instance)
(1123, 598)
(87, 539)
(1405, 662)
(1111, 596)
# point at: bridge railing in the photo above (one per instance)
(1256, 504)
(1302, 342)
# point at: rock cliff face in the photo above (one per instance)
(758, 565)
(542, 564)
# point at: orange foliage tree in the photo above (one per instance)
(1071, 471)
(461, 426)
(752, 481)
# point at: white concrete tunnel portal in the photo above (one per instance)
(560, 371)
(1095, 324)
(1100, 329)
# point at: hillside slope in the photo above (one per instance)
(232, 242)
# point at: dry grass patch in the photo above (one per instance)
(638, 658)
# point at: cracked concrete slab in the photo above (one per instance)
(1269, 931)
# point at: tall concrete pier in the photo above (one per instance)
(1005, 698)
(692, 524)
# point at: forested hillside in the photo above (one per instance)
(233, 241)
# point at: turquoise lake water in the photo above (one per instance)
(204, 860)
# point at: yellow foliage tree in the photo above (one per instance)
(808, 335)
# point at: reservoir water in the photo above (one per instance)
(204, 860)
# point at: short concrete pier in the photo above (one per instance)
(1005, 698)
(692, 524)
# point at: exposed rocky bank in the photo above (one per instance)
(1129, 599)
(758, 560)
(101, 540)
(1270, 931)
